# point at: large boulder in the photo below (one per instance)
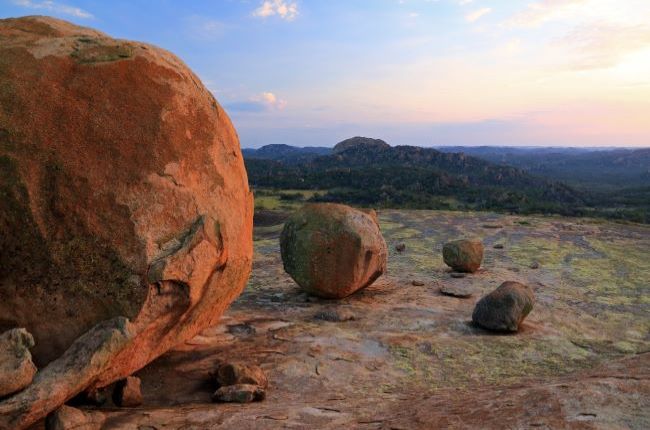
(505, 308)
(333, 250)
(16, 367)
(123, 192)
(465, 255)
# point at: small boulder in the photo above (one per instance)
(240, 393)
(417, 283)
(240, 374)
(332, 250)
(67, 417)
(127, 392)
(498, 246)
(534, 265)
(463, 255)
(400, 247)
(16, 367)
(505, 308)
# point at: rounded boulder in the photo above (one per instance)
(124, 193)
(465, 255)
(333, 250)
(505, 308)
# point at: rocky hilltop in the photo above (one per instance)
(360, 143)
(403, 353)
(126, 233)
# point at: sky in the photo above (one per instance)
(411, 72)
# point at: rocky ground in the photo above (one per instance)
(402, 355)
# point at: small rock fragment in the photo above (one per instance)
(498, 246)
(240, 393)
(127, 392)
(534, 265)
(400, 247)
(504, 308)
(67, 418)
(244, 329)
(240, 374)
(463, 255)
(16, 367)
(456, 291)
(335, 315)
(417, 283)
(492, 225)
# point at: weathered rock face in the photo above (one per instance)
(505, 308)
(333, 250)
(123, 192)
(16, 367)
(463, 255)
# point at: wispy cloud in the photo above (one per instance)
(54, 7)
(477, 14)
(286, 10)
(598, 46)
(202, 28)
(264, 102)
(539, 12)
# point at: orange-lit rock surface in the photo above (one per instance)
(123, 191)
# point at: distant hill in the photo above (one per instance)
(285, 153)
(362, 143)
(592, 169)
(370, 172)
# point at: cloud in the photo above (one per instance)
(477, 14)
(53, 7)
(598, 46)
(264, 102)
(286, 10)
(202, 28)
(464, 2)
(542, 11)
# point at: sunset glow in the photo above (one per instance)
(421, 72)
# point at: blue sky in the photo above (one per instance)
(422, 72)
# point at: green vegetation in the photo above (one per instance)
(406, 177)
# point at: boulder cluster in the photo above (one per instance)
(333, 250)
(239, 383)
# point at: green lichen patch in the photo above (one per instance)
(91, 52)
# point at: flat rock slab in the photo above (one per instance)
(456, 291)
(410, 359)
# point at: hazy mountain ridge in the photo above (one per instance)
(370, 172)
(285, 153)
(590, 168)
